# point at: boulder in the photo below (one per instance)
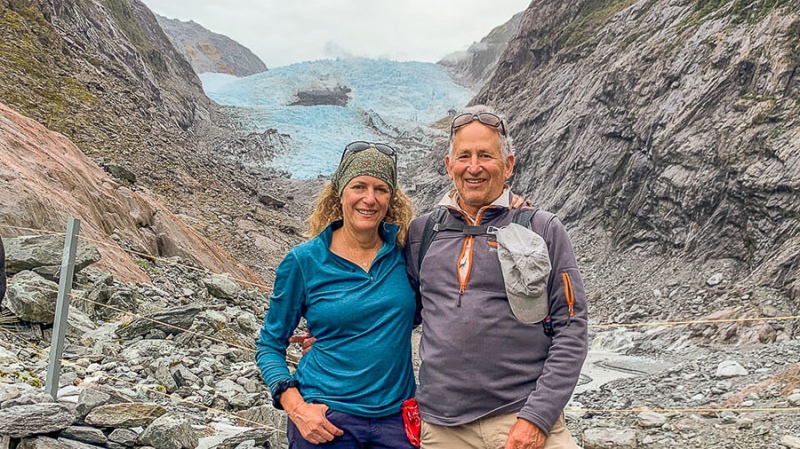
(222, 286)
(171, 321)
(96, 395)
(42, 443)
(44, 253)
(84, 434)
(257, 436)
(25, 420)
(124, 415)
(32, 298)
(169, 432)
(609, 439)
(730, 368)
(125, 437)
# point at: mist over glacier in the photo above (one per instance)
(389, 101)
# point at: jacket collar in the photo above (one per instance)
(450, 200)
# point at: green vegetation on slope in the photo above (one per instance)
(592, 16)
(31, 56)
(750, 11)
(793, 33)
(120, 10)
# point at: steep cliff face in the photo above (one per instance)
(207, 51)
(103, 73)
(100, 72)
(471, 68)
(47, 179)
(669, 126)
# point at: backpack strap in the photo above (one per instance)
(436, 223)
(432, 226)
(524, 216)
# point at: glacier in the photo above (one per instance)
(389, 101)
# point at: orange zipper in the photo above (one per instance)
(569, 293)
(469, 241)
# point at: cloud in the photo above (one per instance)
(333, 50)
(282, 32)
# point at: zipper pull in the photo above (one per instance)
(460, 292)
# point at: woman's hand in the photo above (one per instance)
(305, 340)
(311, 422)
(517, 202)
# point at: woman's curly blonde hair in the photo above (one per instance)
(328, 209)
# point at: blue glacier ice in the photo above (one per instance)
(388, 100)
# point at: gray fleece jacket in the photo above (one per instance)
(478, 360)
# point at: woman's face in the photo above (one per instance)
(365, 201)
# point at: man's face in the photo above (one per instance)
(477, 167)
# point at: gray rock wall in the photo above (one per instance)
(670, 126)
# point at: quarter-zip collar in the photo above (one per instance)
(450, 200)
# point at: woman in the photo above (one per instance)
(349, 282)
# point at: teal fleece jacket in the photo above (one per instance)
(361, 361)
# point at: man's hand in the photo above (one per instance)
(517, 202)
(525, 435)
(313, 425)
(305, 340)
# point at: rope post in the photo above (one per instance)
(62, 306)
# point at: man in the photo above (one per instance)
(488, 380)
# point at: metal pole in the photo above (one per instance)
(62, 306)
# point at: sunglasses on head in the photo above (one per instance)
(487, 118)
(360, 145)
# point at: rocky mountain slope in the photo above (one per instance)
(660, 131)
(104, 74)
(207, 51)
(670, 127)
(46, 180)
(473, 67)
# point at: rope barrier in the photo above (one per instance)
(689, 322)
(166, 395)
(153, 320)
(591, 326)
(46, 232)
(172, 326)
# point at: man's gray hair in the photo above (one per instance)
(506, 142)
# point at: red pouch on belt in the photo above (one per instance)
(411, 421)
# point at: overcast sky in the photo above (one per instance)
(283, 32)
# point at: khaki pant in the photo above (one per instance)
(488, 433)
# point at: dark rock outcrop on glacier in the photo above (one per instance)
(337, 96)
